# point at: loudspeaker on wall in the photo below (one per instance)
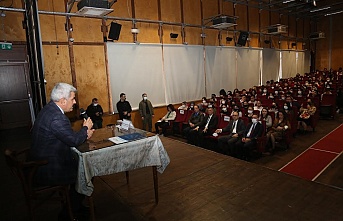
(242, 40)
(114, 31)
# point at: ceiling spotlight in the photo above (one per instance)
(173, 35)
(134, 30)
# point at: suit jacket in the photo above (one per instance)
(255, 133)
(212, 125)
(196, 119)
(240, 128)
(124, 106)
(52, 139)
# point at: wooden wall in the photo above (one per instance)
(88, 55)
(332, 26)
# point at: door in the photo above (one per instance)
(14, 95)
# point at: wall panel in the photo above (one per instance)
(192, 13)
(146, 9)
(212, 37)
(167, 29)
(148, 33)
(170, 10)
(292, 26)
(86, 29)
(275, 18)
(193, 35)
(53, 28)
(227, 8)
(254, 19)
(264, 19)
(12, 24)
(56, 66)
(91, 75)
(210, 8)
(242, 21)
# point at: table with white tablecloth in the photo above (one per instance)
(119, 158)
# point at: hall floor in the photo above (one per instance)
(200, 185)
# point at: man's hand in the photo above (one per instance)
(204, 130)
(235, 135)
(190, 124)
(89, 133)
(88, 123)
(125, 112)
(197, 128)
(142, 118)
(128, 114)
(97, 113)
(218, 131)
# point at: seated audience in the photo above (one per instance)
(258, 106)
(191, 106)
(249, 112)
(280, 125)
(266, 118)
(245, 145)
(236, 109)
(305, 114)
(183, 106)
(223, 110)
(164, 121)
(194, 122)
(207, 127)
(235, 128)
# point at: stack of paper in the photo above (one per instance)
(117, 140)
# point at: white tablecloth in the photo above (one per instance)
(118, 158)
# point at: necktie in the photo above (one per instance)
(208, 121)
(234, 127)
(251, 130)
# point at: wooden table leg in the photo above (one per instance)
(154, 172)
(91, 208)
(127, 177)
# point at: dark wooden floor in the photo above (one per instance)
(201, 185)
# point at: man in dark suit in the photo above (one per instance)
(235, 128)
(249, 140)
(207, 127)
(194, 121)
(52, 139)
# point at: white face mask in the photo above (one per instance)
(95, 105)
(250, 111)
(224, 109)
(145, 98)
(285, 107)
(264, 91)
(254, 121)
(223, 102)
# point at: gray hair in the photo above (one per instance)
(62, 90)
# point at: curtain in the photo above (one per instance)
(220, 69)
(271, 65)
(184, 72)
(134, 70)
(248, 67)
(288, 64)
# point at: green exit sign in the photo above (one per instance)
(5, 46)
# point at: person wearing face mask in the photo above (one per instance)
(249, 112)
(223, 110)
(164, 122)
(146, 111)
(124, 108)
(183, 106)
(95, 112)
(245, 145)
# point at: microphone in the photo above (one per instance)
(83, 114)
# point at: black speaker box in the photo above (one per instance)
(242, 40)
(114, 31)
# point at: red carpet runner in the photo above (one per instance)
(313, 161)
